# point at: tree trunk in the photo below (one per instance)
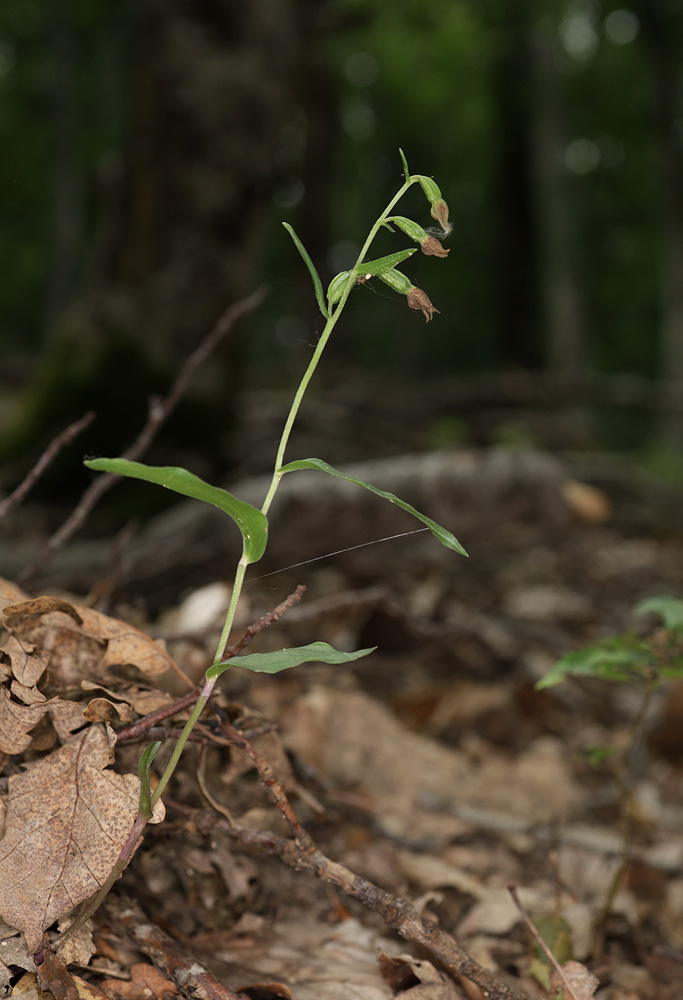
(564, 321)
(662, 28)
(208, 88)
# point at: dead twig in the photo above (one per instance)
(48, 456)
(303, 854)
(160, 410)
(192, 979)
(131, 733)
(512, 889)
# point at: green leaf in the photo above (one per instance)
(669, 609)
(143, 768)
(611, 660)
(383, 264)
(317, 284)
(444, 536)
(405, 164)
(251, 522)
(283, 659)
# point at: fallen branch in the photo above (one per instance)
(303, 854)
(160, 410)
(192, 979)
(48, 456)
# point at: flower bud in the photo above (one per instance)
(336, 287)
(398, 281)
(417, 299)
(439, 210)
(430, 188)
(430, 245)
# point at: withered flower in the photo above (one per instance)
(433, 248)
(440, 213)
(417, 299)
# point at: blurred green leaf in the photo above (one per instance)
(669, 609)
(284, 659)
(250, 521)
(621, 659)
(444, 536)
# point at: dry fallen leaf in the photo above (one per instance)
(146, 982)
(16, 723)
(117, 641)
(10, 594)
(581, 981)
(67, 819)
(27, 665)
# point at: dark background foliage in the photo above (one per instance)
(151, 151)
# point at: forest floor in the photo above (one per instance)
(433, 770)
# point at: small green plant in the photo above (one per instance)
(646, 663)
(251, 521)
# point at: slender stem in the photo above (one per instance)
(324, 337)
(623, 783)
(272, 490)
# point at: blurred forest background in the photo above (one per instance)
(150, 152)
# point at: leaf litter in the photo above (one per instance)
(403, 769)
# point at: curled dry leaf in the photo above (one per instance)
(145, 982)
(66, 822)
(27, 665)
(122, 642)
(105, 710)
(16, 723)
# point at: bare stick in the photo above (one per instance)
(133, 732)
(192, 979)
(303, 854)
(159, 413)
(512, 889)
(48, 456)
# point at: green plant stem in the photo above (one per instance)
(626, 818)
(272, 490)
(324, 337)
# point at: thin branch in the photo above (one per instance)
(48, 456)
(192, 979)
(159, 413)
(512, 889)
(131, 733)
(303, 854)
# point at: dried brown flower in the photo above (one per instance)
(417, 299)
(433, 248)
(440, 213)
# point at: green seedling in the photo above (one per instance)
(251, 521)
(646, 663)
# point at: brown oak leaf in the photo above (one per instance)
(118, 641)
(27, 665)
(67, 819)
(16, 722)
